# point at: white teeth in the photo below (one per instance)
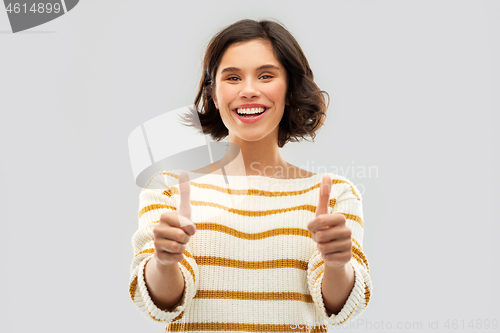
(250, 111)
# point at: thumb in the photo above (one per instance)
(184, 211)
(324, 195)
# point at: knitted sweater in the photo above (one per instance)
(252, 265)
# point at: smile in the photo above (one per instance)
(250, 115)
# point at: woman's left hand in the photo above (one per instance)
(330, 231)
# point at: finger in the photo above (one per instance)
(169, 246)
(336, 232)
(324, 195)
(176, 233)
(324, 222)
(336, 259)
(173, 219)
(184, 211)
(335, 246)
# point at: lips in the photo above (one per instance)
(250, 106)
(258, 113)
(252, 119)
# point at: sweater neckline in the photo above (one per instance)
(256, 178)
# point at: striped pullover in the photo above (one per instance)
(252, 265)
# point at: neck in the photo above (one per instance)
(256, 158)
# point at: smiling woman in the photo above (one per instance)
(254, 65)
(274, 248)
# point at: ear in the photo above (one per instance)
(215, 101)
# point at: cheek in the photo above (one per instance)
(226, 92)
(277, 91)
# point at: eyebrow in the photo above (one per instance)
(235, 69)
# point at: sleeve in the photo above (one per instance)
(152, 203)
(349, 203)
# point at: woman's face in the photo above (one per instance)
(249, 73)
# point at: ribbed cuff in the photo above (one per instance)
(350, 309)
(147, 307)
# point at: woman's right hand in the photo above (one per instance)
(175, 229)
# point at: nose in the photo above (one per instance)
(249, 89)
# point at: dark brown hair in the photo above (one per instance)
(306, 109)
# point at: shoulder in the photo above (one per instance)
(162, 180)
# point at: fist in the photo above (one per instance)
(330, 232)
(175, 229)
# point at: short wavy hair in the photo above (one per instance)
(306, 109)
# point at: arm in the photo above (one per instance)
(165, 284)
(342, 294)
(336, 287)
(153, 289)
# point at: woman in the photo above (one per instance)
(280, 248)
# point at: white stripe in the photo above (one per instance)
(64, 6)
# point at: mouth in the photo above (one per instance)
(250, 112)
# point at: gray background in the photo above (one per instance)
(414, 89)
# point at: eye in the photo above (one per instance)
(265, 77)
(232, 77)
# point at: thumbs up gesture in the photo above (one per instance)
(175, 229)
(330, 231)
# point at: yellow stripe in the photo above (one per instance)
(185, 327)
(311, 208)
(253, 236)
(250, 213)
(153, 317)
(254, 296)
(186, 264)
(357, 243)
(269, 264)
(145, 251)
(367, 294)
(354, 192)
(360, 257)
(321, 262)
(254, 213)
(187, 254)
(151, 179)
(248, 192)
(179, 316)
(245, 235)
(153, 207)
(133, 288)
(175, 190)
(218, 261)
(317, 277)
(353, 217)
